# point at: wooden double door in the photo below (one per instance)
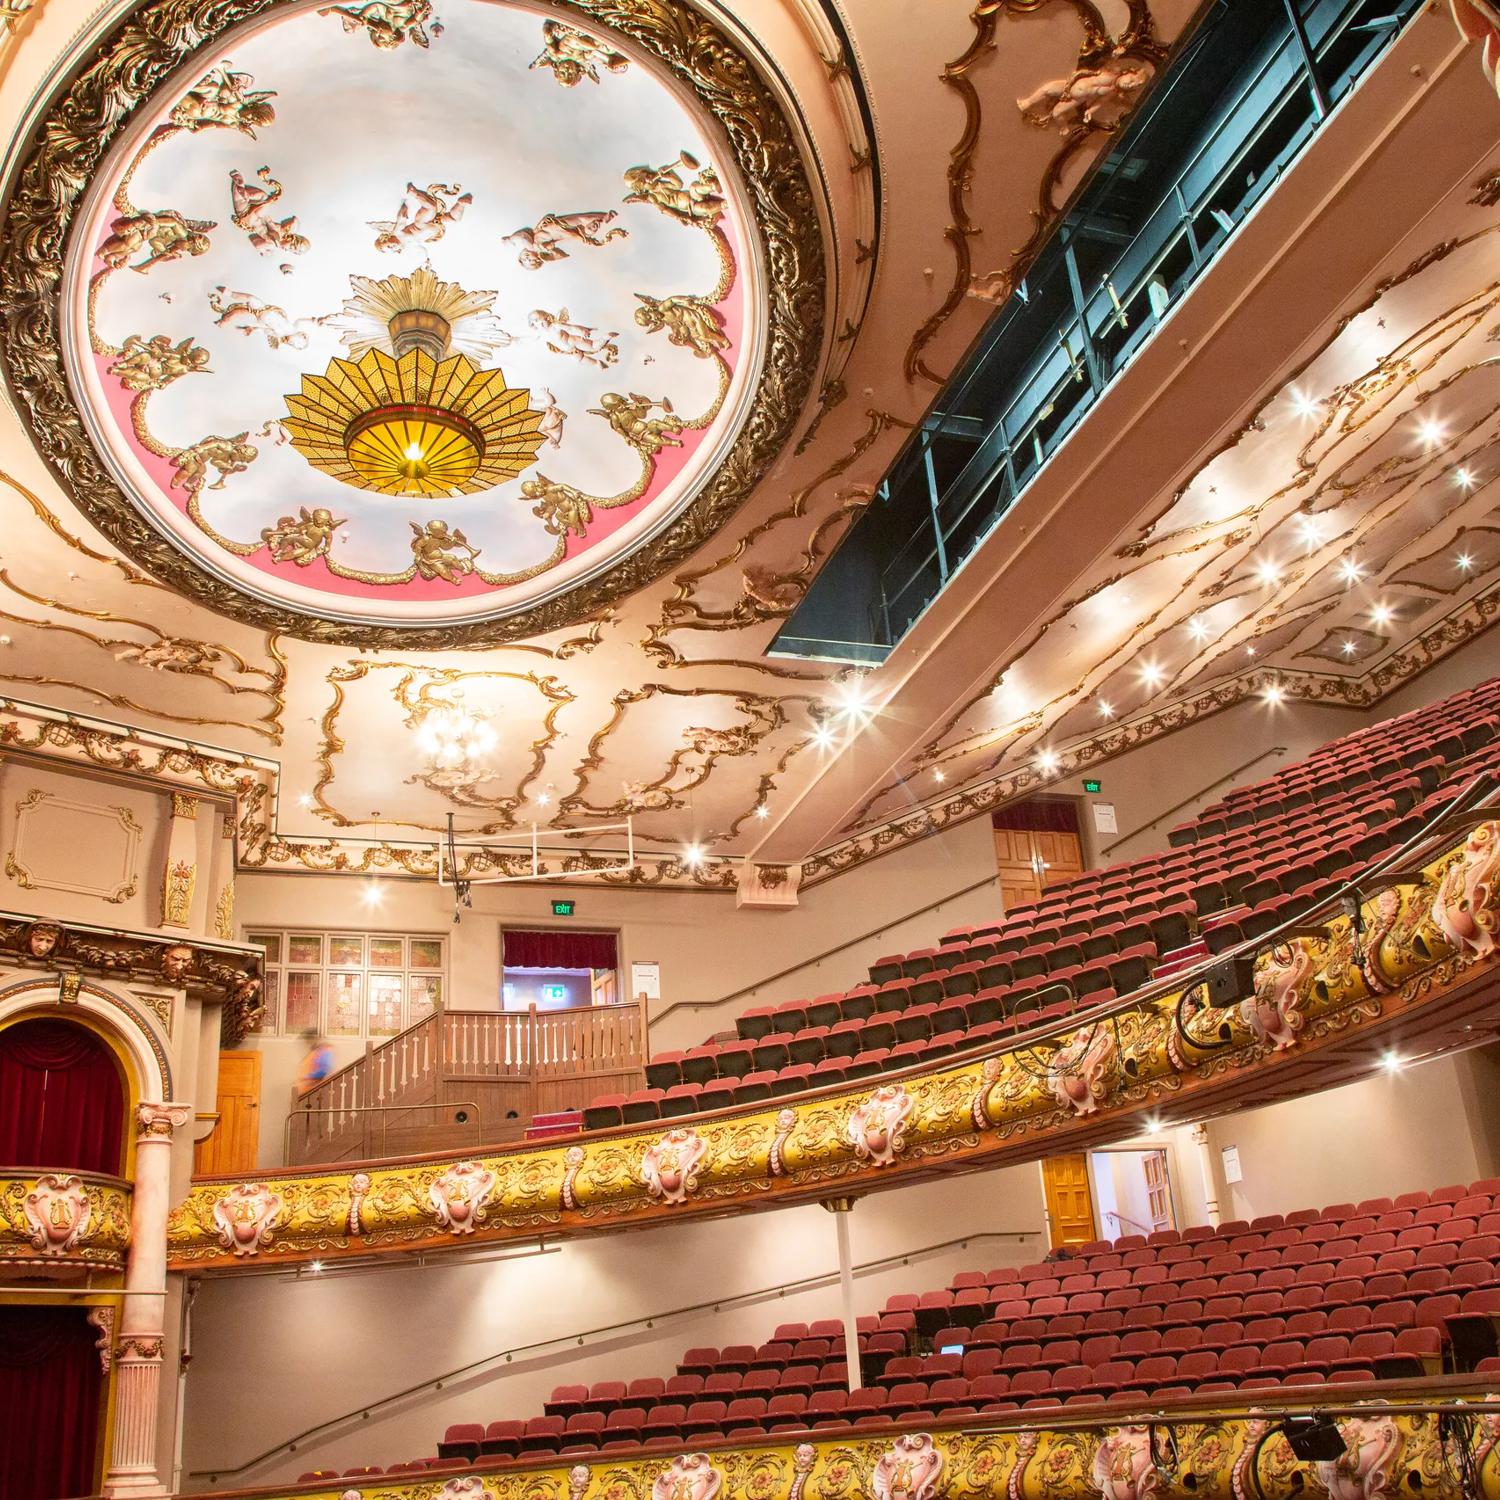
(1032, 859)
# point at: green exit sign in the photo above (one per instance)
(562, 908)
(1091, 785)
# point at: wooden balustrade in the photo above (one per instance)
(461, 1078)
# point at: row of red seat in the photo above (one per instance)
(1316, 1297)
(1246, 865)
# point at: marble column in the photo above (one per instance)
(841, 1208)
(138, 1351)
(1206, 1168)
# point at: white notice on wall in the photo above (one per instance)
(645, 982)
(1104, 817)
(1232, 1172)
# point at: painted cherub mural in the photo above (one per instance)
(250, 204)
(149, 364)
(682, 189)
(438, 552)
(563, 336)
(165, 234)
(536, 244)
(573, 55)
(631, 417)
(423, 218)
(225, 100)
(690, 322)
(248, 314)
(388, 23)
(302, 538)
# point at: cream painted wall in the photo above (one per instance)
(355, 1338)
(706, 947)
(1390, 1133)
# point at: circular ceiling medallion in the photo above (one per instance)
(388, 323)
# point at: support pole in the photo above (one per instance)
(841, 1208)
(1206, 1167)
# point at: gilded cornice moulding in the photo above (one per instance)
(1230, 1450)
(69, 1219)
(1080, 1078)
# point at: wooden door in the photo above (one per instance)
(234, 1145)
(1070, 1204)
(1059, 857)
(1158, 1190)
(1019, 875)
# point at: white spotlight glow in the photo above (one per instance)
(1430, 430)
(1198, 628)
(1349, 570)
(1312, 530)
(316, 1266)
(1151, 674)
(822, 737)
(1382, 613)
(762, 811)
(1349, 648)
(372, 895)
(692, 855)
(1303, 404)
(1464, 479)
(1153, 1125)
(1392, 1062)
(1046, 761)
(305, 800)
(1463, 562)
(1267, 571)
(852, 702)
(940, 775)
(1273, 693)
(1105, 710)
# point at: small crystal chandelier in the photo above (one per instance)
(455, 739)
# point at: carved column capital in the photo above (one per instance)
(158, 1121)
(1200, 1134)
(184, 805)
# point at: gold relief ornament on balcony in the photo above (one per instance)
(64, 1218)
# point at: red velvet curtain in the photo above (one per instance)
(62, 1102)
(559, 950)
(1038, 815)
(50, 1388)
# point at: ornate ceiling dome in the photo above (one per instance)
(398, 324)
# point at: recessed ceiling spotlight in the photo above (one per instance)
(1273, 693)
(305, 800)
(1303, 404)
(1105, 709)
(822, 737)
(316, 1266)
(1198, 628)
(1392, 1062)
(852, 702)
(762, 811)
(1382, 613)
(1046, 761)
(1349, 570)
(1463, 562)
(1267, 571)
(1430, 430)
(692, 855)
(1151, 674)
(1249, 650)
(1348, 648)
(939, 774)
(372, 894)
(1312, 529)
(1153, 1125)
(543, 798)
(1464, 479)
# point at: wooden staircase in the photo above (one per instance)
(463, 1078)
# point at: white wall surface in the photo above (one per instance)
(273, 1355)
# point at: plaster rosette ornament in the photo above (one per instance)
(876, 1128)
(462, 387)
(458, 1197)
(1367, 1468)
(246, 1217)
(1275, 1013)
(690, 1476)
(669, 1167)
(910, 1469)
(1081, 1071)
(57, 1211)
